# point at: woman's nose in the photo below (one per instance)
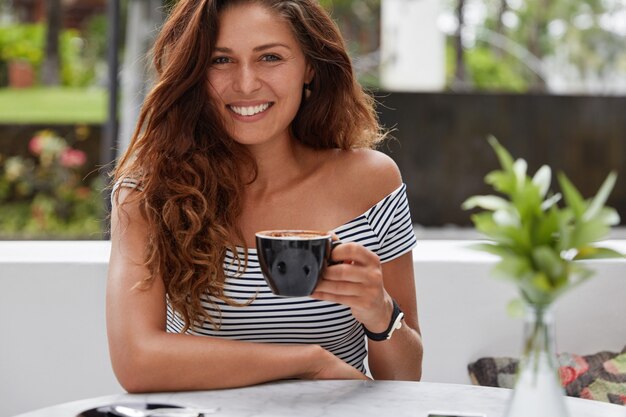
(246, 80)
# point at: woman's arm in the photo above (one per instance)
(400, 357)
(368, 286)
(147, 358)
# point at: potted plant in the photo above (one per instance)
(539, 245)
(21, 46)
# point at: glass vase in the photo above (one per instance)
(538, 391)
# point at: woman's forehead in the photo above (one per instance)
(252, 25)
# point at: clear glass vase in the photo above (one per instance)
(538, 391)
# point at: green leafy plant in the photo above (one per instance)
(79, 61)
(539, 243)
(22, 42)
(486, 71)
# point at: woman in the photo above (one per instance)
(256, 122)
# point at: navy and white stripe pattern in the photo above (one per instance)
(125, 182)
(385, 229)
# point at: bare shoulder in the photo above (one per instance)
(366, 176)
(126, 211)
(124, 197)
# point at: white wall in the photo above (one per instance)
(53, 345)
(52, 329)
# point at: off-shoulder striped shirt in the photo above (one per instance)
(386, 229)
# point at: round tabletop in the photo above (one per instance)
(334, 398)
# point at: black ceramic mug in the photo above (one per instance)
(292, 261)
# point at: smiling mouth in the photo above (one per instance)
(250, 110)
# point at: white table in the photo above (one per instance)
(336, 398)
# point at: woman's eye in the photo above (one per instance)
(221, 60)
(270, 58)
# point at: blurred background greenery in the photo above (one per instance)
(53, 74)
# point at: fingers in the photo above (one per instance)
(358, 272)
(354, 253)
(344, 272)
(346, 300)
(356, 264)
(361, 290)
(356, 281)
(356, 301)
(340, 287)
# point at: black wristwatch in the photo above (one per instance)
(394, 324)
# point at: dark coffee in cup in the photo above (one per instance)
(292, 261)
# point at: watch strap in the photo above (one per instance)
(395, 323)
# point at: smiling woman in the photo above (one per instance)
(255, 77)
(256, 122)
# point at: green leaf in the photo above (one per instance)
(549, 262)
(507, 217)
(588, 232)
(542, 179)
(566, 221)
(551, 201)
(528, 202)
(513, 266)
(577, 275)
(484, 223)
(498, 250)
(594, 252)
(506, 161)
(542, 282)
(501, 181)
(536, 289)
(603, 194)
(486, 202)
(519, 168)
(546, 228)
(572, 197)
(608, 216)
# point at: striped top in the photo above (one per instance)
(386, 229)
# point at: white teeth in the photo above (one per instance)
(250, 111)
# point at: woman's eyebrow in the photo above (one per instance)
(256, 49)
(269, 46)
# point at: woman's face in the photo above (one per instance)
(257, 74)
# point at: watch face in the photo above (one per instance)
(396, 325)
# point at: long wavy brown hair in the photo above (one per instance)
(190, 170)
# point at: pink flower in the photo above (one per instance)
(572, 366)
(36, 145)
(567, 374)
(72, 158)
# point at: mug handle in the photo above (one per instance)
(333, 245)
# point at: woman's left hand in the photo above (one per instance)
(357, 281)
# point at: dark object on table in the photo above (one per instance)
(106, 410)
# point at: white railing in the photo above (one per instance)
(53, 344)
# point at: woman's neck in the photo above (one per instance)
(279, 164)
